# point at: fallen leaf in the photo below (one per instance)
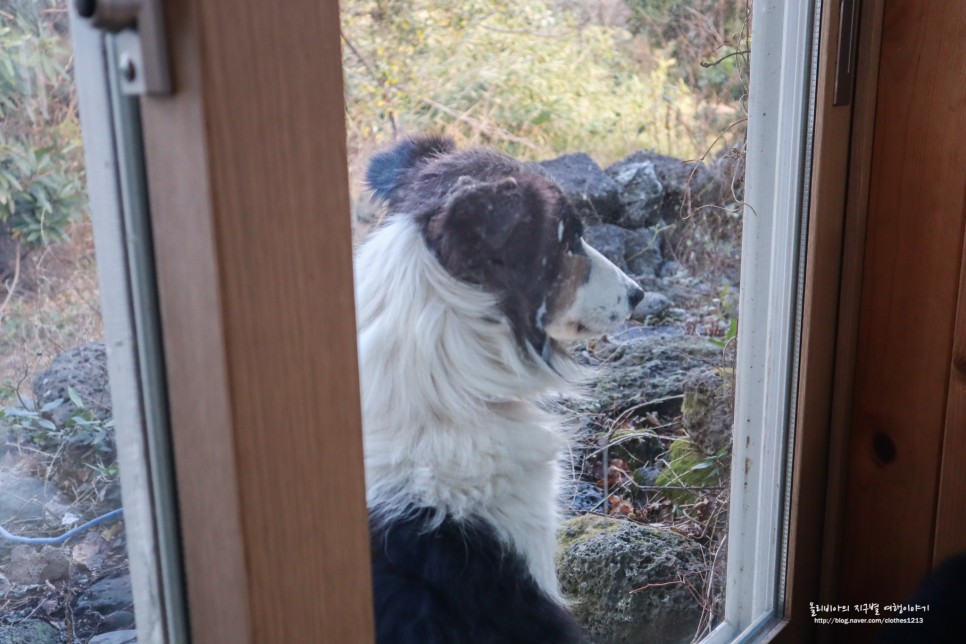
(90, 552)
(620, 506)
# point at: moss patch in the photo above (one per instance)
(583, 528)
(689, 467)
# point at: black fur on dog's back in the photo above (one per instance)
(943, 592)
(458, 584)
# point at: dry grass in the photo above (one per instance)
(56, 306)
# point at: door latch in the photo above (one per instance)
(138, 28)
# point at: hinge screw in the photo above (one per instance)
(128, 69)
(85, 8)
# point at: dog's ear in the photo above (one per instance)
(387, 168)
(489, 211)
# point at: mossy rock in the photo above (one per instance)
(688, 466)
(29, 631)
(602, 562)
(708, 409)
(633, 445)
(646, 373)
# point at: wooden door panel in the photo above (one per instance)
(913, 254)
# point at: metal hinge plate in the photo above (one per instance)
(138, 26)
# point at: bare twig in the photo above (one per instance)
(628, 412)
(634, 435)
(605, 473)
(375, 76)
(26, 372)
(686, 211)
(689, 488)
(676, 582)
(740, 52)
(362, 59)
(526, 32)
(489, 129)
(13, 284)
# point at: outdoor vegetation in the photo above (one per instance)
(537, 78)
(58, 463)
(48, 299)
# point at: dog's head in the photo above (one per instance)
(506, 227)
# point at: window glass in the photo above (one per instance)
(636, 111)
(58, 459)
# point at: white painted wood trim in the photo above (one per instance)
(726, 633)
(139, 482)
(723, 634)
(778, 113)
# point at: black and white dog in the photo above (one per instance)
(462, 296)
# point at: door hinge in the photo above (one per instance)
(138, 26)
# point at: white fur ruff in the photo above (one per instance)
(449, 403)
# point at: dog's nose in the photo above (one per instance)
(634, 295)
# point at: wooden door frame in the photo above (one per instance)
(900, 513)
(841, 193)
(842, 153)
(836, 243)
(247, 176)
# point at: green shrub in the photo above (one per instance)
(39, 196)
(79, 454)
(82, 431)
(693, 32)
(41, 173)
(523, 76)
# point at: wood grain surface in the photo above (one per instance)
(249, 195)
(913, 254)
(850, 289)
(836, 150)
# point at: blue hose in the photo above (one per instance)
(70, 534)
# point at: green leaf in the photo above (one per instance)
(542, 117)
(52, 405)
(75, 397)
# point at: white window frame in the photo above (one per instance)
(781, 95)
(118, 210)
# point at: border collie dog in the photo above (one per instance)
(463, 295)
